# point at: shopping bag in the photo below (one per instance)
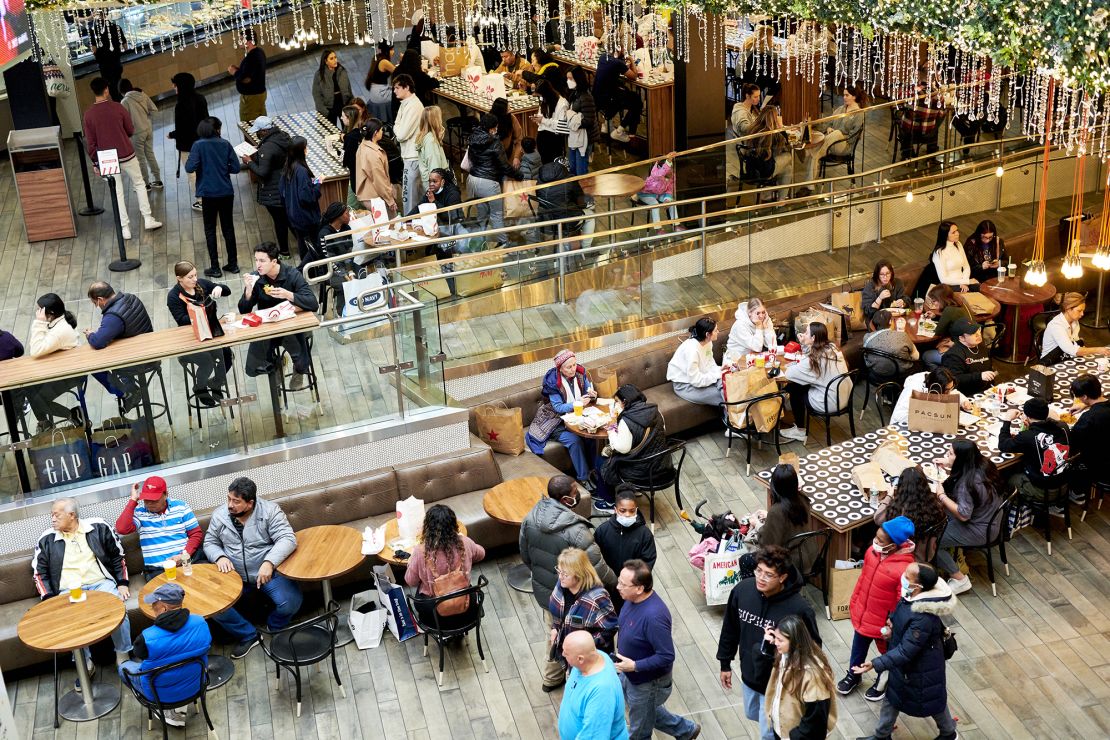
(841, 584)
(478, 282)
(892, 462)
(473, 76)
(429, 50)
(750, 383)
(835, 323)
(492, 86)
(352, 289)
(938, 413)
(391, 597)
(410, 518)
(852, 304)
(453, 59)
(367, 618)
(977, 303)
(722, 573)
(203, 319)
(869, 477)
(61, 456)
(439, 288)
(501, 427)
(115, 453)
(516, 202)
(606, 383)
(1041, 382)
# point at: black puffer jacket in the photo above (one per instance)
(560, 199)
(267, 164)
(649, 436)
(191, 109)
(487, 158)
(620, 544)
(549, 529)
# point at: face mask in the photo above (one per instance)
(438, 191)
(571, 84)
(907, 588)
(626, 521)
(879, 548)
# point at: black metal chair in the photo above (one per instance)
(749, 431)
(143, 376)
(1037, 325)
(660, 479)
(842, 160)
(819, 567)
(154, 704)
(827, 416)
(1057, 494)
(882, 381)
(303, 644)
(997, 332)
(1001, 517)
(931, 535)
(1098, 492)
(442, 631)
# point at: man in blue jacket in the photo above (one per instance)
(122, 315)
(176, 635)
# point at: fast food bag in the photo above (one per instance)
(410, 517)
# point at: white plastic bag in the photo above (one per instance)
(410, 518)
(367, 619)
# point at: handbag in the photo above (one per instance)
(545, 422)
(449, 583)
(948, 643)
(465, 164)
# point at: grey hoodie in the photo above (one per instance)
(141, 108)
(550, 528)
(266, 536)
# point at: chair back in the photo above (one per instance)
(453, 625)
(999, 330)
(1002, 511)
(873, 356)
(927, 541)
(304, 648)
(798, 541)
(745, 405)
(659, 479)
(1037, 325)
(834, 386)
(140, 682)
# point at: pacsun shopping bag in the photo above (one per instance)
(938, 413)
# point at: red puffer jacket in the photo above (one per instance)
(878, 589)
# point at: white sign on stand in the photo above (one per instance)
(108, 162)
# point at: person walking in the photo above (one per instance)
(800, 701)
(250, 79)
(214, 161)
(407, 129)
(580, 601)
(141, 108)
(108, 126)
(331, 86)
(488, 167)
(300, 191)
(267, 164)
(915, 659)
(625, 536)
(593, 703)
(190, 110)
(645, 657)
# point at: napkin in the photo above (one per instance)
(373, 540)
(244, 149)
(967, 419)
(1018, 397)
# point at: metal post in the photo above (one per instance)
(879, 218)
(701, 239)
(90, 209)
(562, 264)
(1098, 305)
(421, 347)
(122, 264)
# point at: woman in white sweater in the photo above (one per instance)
(752, 332)
(950, 259)
(54, 329)
(692, 370)
(1061, 336)
(941, 380)
(811, 376)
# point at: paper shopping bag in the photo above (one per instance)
(841, 585)
(606, 383)
(410, 518)
(367, 618)
(869, 477)
(473, 76)
(501, 427)
(452, 60)
(516, 202)
(750, 383)
(61, 456)
(198, 319)
(934, 412)
(439, 288)
(977, 303)
(478, 282)
(835, 323)
(391, 597)
(887, 457)
(1041, 382)
(852, 304)
(492, 86)
(722, 573)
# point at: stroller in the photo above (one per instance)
(721, 533)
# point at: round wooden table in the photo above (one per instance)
(323, 553)
(388, 555)
(1017, 293)
(207, 592)
(57, 626)
(609, 186)
(509, 503)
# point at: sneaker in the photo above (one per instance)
(958, 587)
(697, 731)
(604, 125)
(232, 268)
(91, 667)
(126, 232)
(1056, 511)
(240, 651)
(173, 719)
(848, 684)
(204, 397)
(196, 206)
(602, 508)
(874, 693)
(619, 134)
(152, 225)
(149, 187)
(213, 272)
(157, 185)
(794, 433)
(298, 382)
(548, 688)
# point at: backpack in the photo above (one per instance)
(450, 582)
(392, 149)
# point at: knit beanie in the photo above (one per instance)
(899, 529)
(562, 357)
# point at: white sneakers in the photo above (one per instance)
(126, 232)
(958, 587)
(619, 134)
(152, 225)
(794, 433)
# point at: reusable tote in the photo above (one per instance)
(934, 412)
(722, 573)
(501, 427)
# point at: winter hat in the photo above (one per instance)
(899, 529)
(334, 211)
(562, 357)
(1035, 409)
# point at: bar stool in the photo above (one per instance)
(144, 375)
(458, 132)
(1098, 491)
(283, 384)
(189, 370)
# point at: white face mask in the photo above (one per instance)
(571, 84)
(626, 521)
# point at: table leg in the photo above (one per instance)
(144, 392)
(343, 634)
(13, 431)
(520, 578)
(279, 423)
(220, 670)
(92, 701)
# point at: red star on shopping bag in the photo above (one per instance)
(492, 436)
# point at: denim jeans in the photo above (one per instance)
(860, 645)
(650, 199)
(888, 716)
(646, 711)
(580, 163)
(931, 359)
(287, 600)
(121, 638)
(754, 703)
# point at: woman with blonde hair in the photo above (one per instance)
(800, 703)
(578, 602)
(1061, 336)
(753, 330)
(429, 142)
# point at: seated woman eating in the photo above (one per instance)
(696, 376)
(1061, 336)
(639, 432)
(441, 551)
(752, 331)
(883, 290)
(810, 377)
(939, 380)
(564, 384)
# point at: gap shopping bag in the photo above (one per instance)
(61, 456)
(399, 617)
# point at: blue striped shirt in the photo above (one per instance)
(162, 536)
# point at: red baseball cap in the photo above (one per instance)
(153, 489)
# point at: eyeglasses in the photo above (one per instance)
(562, 573)
(765, 575)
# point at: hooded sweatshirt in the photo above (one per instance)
(190, 110)
(550, 528)
(745, 337)
(747, 613)
(141, 108)
(620, 544)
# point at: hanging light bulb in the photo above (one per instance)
(999, 171)
(1036, 275)
(1101, 259)
(909, 196)
(1072, 268)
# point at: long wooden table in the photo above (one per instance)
(521, 107)
(29, 371)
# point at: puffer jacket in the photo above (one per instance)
(266, 536)
(267, 164)
(559, 198)
(878, 589)
(487, 158)
(549, 529)
(191, 109)
(641, 419)
(915, 657)
(176, 635)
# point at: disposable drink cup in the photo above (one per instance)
(75, 594)
(187, 568)
(1001, 274)
(170, 566)
(760, 361)
(1012, 269)
(901, 324)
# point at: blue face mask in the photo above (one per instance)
(907, 587)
